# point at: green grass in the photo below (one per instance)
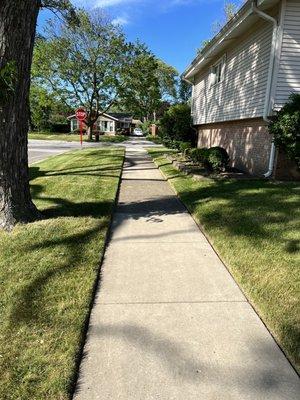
(255, 227)
(67, 137)
(48, 270)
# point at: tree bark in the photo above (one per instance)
(90, 132)
(17, 32)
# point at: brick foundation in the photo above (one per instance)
(247, 142)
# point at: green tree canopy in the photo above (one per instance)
(141, 91)
(83, 63)
(167, 80)
(184, 91)
(47, 112)
(149, 84)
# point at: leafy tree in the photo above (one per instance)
(40, 108)
(167, 80)
(163, 107)
(142, 92)
(17, 33)
(150, 84)
(184, 91)
(84, 64)
(46, 111)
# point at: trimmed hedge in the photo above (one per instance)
(214, 158)
(199, 155)
(218, 158)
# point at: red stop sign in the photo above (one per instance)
(80, 114)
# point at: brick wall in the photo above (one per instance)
(247, 142)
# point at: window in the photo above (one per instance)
(106, 126)
(74, 124)
(217, 72)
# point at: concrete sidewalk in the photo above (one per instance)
(169, 322)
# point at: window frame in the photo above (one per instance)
(221, 64)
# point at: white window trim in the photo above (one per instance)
(221, 61)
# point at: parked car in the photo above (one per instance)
(138, 132)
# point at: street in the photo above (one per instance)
(41, 149)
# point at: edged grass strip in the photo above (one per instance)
(48, 270)
(255, 227)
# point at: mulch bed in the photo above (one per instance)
(199, 172)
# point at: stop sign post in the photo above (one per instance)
(81, 117)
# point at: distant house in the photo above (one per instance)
(108, 123)
(246, 73)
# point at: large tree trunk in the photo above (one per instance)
(17, 32)
(90, 131)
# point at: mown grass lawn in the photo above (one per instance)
(66, 137)
(255, 227)
(48, 270)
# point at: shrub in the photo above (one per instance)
(176, 123)
(60, 127)
(217, 158)
(146, 127)
(199, 155)
(167, 142)
(285, 127)
(175, 144)
(154, 139)
(184, 147)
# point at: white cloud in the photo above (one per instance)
(121, 9)
(125, 3)
(121, 20)
(110, 3)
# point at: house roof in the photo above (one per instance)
(137, 121)
(240, 23)
(119, 117)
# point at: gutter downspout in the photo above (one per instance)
(267, 17)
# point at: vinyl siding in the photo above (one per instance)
(288, 78)
(242, 92)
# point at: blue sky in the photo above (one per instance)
(172, 29)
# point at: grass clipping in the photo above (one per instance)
(48, 270)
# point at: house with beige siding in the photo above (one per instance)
(107, 123)
(242, 77)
